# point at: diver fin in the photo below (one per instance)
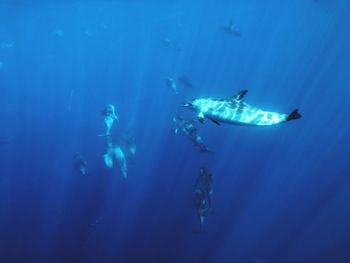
(240, 95)
(201, 218)
(108, 160)
(216, 122)
(294, 115)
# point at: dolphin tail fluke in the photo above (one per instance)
(294, 115)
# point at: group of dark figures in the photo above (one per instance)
(204, 183)
(203, 189)
(230, 29)
(115, 156)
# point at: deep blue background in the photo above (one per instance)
(280, 193)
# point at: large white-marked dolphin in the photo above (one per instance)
(235, 110)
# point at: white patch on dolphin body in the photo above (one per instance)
(235, 110)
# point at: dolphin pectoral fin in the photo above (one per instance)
(216, 122)
(240, 95)
(200, 117)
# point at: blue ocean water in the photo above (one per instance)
(280, 193)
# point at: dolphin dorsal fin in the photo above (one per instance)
(240, 95)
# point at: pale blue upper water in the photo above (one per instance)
(281, 194)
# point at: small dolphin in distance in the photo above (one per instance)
(230, 28)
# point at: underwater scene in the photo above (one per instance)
(174, 131)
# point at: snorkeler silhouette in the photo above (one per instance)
(114, 153)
